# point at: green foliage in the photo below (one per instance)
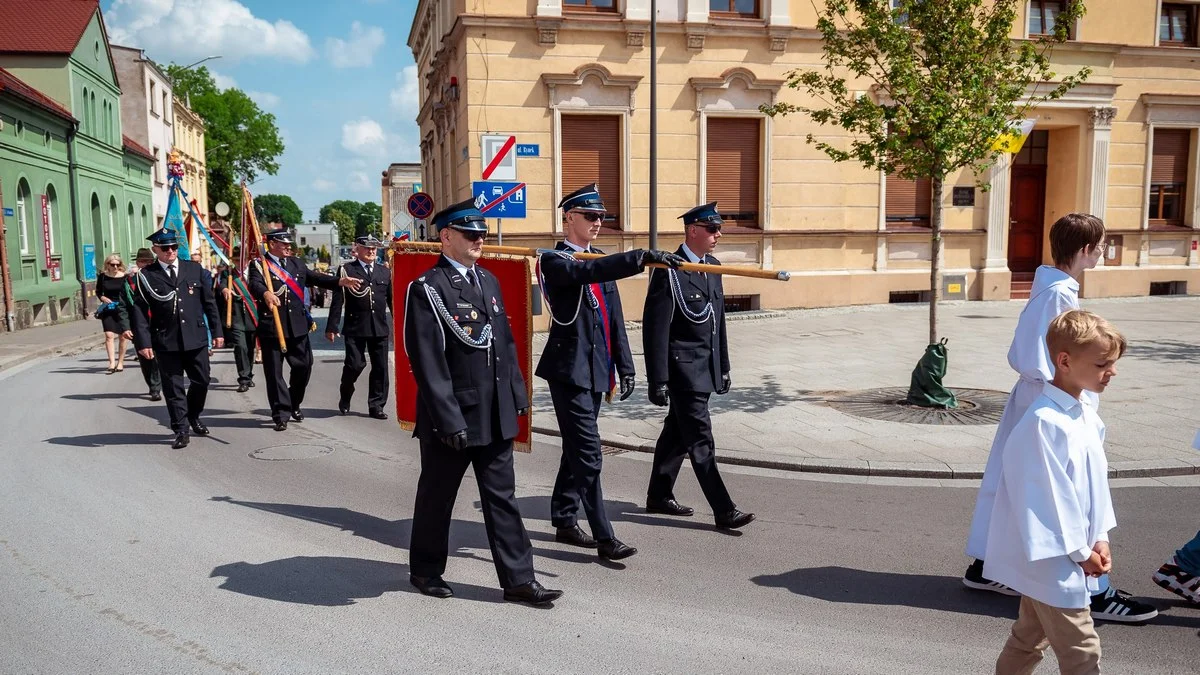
(278, 209)
(323, 254)
(346, 206)
(241, 141)
(354, 219)
(369, 219)
(345, 224)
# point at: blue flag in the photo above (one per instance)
(173, 221)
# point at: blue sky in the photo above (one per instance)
(338, 76)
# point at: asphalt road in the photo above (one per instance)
(257, 551)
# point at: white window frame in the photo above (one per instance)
(1158, 21)
(1076, 28)
(129, 225)
(22, 223)
(112, 229)
(50, 221)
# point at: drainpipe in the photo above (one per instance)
(10, 318)
(73, 178)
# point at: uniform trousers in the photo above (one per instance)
(687, 432)
(1070, 632)
(579, 470)
(357, 351)
(286, 397)
(442, 470)
(150, 374)
(242, 342)
(184, 383)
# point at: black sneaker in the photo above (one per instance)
(973, 578)
(1119, 606)
(1172, 577)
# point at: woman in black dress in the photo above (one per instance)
(110, 288)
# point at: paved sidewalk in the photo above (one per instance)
(67, 338)
(785, 366)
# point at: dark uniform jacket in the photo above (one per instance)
(292, 313)
(242, 319)
(366, 316)
(460, 387)
(177, 324)
(686, 355)
(576, 353)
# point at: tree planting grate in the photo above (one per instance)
(975, 406)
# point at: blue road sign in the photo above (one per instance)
(420, 205)
(528, 150)
(498, 199)
(8, 211)
(89, 262)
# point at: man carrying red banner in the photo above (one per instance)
(470, 392)
(289, 278)
(586, 351)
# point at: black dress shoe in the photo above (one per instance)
(614, 549)
(251, 383)
(344, 408)
(181, 441)
(155, 396)
(297, 415)
(668, 507)
(243, 387)
(432, 586)
(198, 427)
(734, 519)
(378, 414)
(574, 536)
(533, 593)
(280, 425)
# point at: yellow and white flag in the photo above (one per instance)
(1012, 139)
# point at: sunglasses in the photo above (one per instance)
(712, 228)
(169, 247)
(472, 235)
(591, 216)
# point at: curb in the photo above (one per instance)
(860, 467)
(71, 348)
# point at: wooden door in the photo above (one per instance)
(1026, 214)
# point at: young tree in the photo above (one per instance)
(345, 224)
(278, 209)
(369, 219)
(946, 81)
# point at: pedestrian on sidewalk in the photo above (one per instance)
(149, 367)
(114, 319)
(243, 321)
(1076, 244)
(687, 360)
(586, 354)
(173, 300)
(470, 392)
(1181, 573)
(1048, 531)
(366, 328)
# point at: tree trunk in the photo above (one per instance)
(935, 258)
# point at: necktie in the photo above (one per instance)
(368, 269)
(471, 277)
(171, 274)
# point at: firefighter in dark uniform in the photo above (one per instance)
(366, 325)
(470, 392)
(289, 278)
(240, 331)
(687, 359)
(586, 355)
(149, 368)
(171, 301)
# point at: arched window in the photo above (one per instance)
(23, 206)
(129, 229)
(93, 121)
(145, 221)
(114, 244)
(51, 207)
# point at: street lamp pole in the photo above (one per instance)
(653, 124)
(207, 58)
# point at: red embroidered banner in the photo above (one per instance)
(513, 274)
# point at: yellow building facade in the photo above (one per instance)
(189, 144)
(572, 77)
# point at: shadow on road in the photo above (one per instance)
(106, 396)
(537, 507)
(115, 438)
(328, 581)
(1167, 351)
(865, 587)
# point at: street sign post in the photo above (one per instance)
(499, 158)
(497, 199)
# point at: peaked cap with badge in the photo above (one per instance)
(462, 216)
(704, 214)
(163, 237)
(586, 198)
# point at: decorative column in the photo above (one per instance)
(997, 214)
(1100, 121)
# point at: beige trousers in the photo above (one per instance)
(1070, 632)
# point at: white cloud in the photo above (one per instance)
(358, 50)
(364, 137)
(323, 185)
(264, 99)
(406, 95)
(222, 80)
(360, 181)
(192, 29)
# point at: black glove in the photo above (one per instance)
(725, 383)
(521, 412)
(662, 257)
(658, 395)
(456, 440)
(627, 383)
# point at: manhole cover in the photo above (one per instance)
(975, 406)
(278, 453)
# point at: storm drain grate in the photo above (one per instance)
(975, 406)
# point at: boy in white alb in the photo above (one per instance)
(1048, 531)
(1076, 244)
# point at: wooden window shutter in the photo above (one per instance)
(1170, 161)
(591, 153)
(733, 168)
(908, 201)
